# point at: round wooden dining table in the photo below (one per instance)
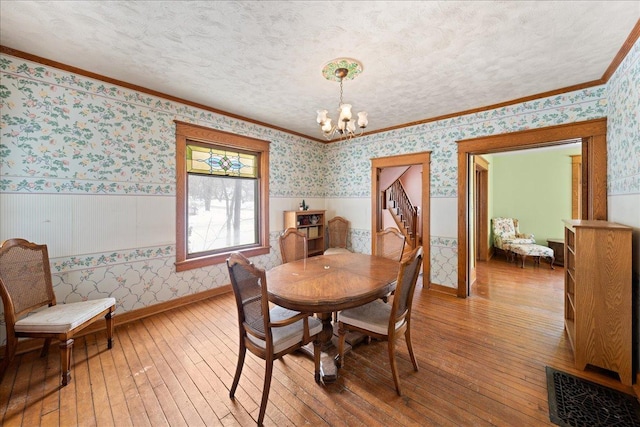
(328, 283)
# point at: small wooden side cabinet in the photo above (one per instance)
(598, 295)
(558, 250)
(310, 222)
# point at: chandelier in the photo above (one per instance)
(339, 70)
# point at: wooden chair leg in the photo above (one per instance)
(109, 319)
(66, 348)
(265, 390)
(407, 338)
(394, 365)
(45, 347)
(236, 379)
(317, 348)
(9, 354)
(342, 336)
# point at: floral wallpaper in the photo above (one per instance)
(65, 134)
(353, 178)
(623, 128)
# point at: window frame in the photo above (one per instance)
(186, 132)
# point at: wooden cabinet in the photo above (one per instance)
(558, 250)
(598, 295)
(310, 222)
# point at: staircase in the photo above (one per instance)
(403, 212)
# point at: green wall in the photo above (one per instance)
(533, 186)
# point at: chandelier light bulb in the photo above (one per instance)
(322, 117)
(326, 127)
(362, 119)
(345, 112)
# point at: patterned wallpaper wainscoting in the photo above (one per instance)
(444, 261)
(359, 241)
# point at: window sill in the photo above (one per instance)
(206, 261)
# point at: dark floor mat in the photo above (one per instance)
(580, 403)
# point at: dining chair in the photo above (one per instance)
(269, 333)
(293, 245)
(26, 287)
(390, 243)
(338, 228)
(386, 321)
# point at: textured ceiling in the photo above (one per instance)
(263, 60)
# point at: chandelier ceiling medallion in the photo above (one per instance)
(339, 70)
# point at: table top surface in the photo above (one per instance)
(328, 283)
(555, 241)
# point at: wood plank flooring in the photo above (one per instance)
(481, 362)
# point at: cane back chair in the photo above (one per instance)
(30, 308)
(268, 331)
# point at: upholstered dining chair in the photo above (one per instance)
(390, 243)
(26, 287)
(269, 333)
(386, 321)
(338, 228)
(293, 245)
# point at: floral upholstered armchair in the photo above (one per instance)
(506, 232)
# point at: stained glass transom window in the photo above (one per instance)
(218, 161)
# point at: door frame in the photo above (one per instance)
(593, 134)
(424, 159)
(481, 216)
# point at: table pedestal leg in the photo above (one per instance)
(329, 346)
(328, 369)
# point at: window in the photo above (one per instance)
(221, 196)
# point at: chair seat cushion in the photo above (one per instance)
(286, 336)
(333, 251)
(518, 241)
(531, 250)
(373, 317)
(62, 318)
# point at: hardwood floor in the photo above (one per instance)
(481, 362)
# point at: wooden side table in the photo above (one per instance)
(558, 249)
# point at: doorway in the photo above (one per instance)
(592, 134)
(480, 207)
(422, 159)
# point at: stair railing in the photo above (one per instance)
(407, 213)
